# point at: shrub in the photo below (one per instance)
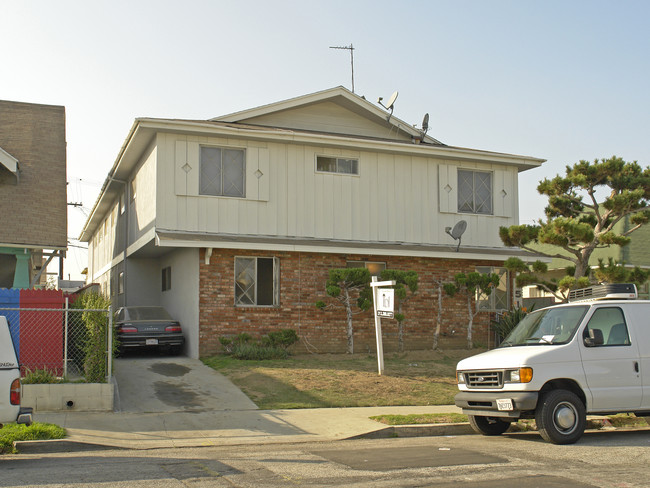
(40, 376)
(95, 324)
(281, 338)
(274, 345)
(509, 320)
(258, 352)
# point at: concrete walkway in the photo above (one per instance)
(225, 427)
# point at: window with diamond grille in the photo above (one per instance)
(474, 192)
(222, 172)
(256, 281)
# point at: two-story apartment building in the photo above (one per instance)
(233, 223)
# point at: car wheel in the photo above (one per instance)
(561, 417)
(488, 425)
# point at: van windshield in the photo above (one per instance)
(546, 327)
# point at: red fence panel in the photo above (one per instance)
(41, 332)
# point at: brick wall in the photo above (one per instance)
(302, 284)
(33, 210)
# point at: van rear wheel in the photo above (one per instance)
(561, 417)
(488, 425)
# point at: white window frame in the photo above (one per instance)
(246, 281)
(476, 209)
(221, 192)
(338, 161)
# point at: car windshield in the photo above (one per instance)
(146, 313)
(546, 326)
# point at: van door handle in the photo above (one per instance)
(636, 366)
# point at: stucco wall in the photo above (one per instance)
(182, 299)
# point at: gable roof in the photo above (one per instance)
(334, 111)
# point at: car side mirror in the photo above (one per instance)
(595, 338)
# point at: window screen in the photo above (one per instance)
(222, 172)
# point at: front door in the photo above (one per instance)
(611, 365)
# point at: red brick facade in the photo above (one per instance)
(302, 284)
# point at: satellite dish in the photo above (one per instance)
(391, 103)
(457, 232)
(425, 126)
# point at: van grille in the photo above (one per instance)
(484, 379)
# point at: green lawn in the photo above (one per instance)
(341, 380)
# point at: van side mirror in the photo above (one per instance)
(595, 338)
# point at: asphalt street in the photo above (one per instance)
(613, 459)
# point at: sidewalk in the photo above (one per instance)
(91, 431)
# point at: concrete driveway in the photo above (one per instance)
(149, 384)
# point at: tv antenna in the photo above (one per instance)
(351, 49)
(390, 105)
(457, 232)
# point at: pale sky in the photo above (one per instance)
(560, 80)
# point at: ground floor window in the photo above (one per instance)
(167, 278)
(499, 299)
(256, 281)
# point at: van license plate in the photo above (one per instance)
(505, 404)
(154, 342)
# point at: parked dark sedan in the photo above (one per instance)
(148, 327)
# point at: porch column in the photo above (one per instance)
(21, 275)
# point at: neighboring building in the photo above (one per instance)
(33, 205)
(636, 253)
(233, 223)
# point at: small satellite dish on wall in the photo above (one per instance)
(391, 103)
(457, 232)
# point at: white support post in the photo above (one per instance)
(380, 346)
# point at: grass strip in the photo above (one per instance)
(425, 418)
(20, 432)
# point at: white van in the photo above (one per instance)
(10, 386)
(561, 363)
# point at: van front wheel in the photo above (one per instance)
(561, 417)
(488, 425)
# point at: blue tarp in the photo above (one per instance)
(10, 298)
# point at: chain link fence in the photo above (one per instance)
(74, 344)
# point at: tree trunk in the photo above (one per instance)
(348, 310)
(436, 333)
(471, 322)
(400, 330)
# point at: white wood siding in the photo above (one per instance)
(328, 117)
(395, 198)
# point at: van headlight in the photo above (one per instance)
(460, 377)
(521, 375)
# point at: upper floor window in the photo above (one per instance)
(474, 192)
(222, 172)
(337, 165)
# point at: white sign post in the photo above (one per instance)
(384, 304)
